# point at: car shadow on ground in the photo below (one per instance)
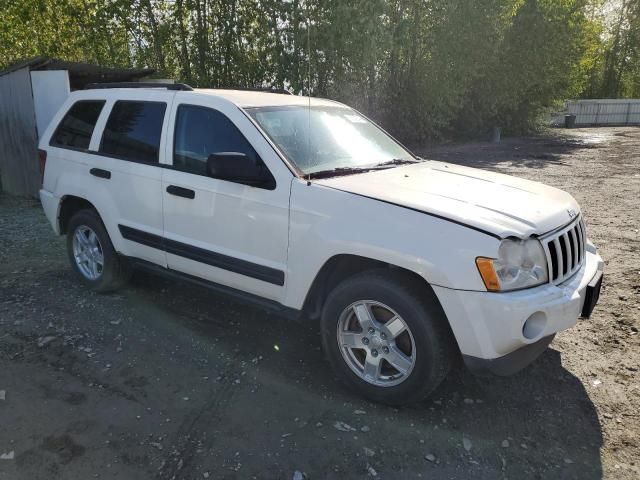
(539, 423)
(532, 411)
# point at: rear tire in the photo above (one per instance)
(91, 253)
(405, 349)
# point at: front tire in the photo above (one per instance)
(386, 337)
(91, 253)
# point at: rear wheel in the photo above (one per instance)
(386, 337)
(92, 256)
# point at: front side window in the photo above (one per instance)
(323, 138)
(201, 131)
(76, 128)
(133, 130)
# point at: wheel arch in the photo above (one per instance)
(69, 206)
(342, 266)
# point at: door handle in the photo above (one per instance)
(181, 192)
(98, 172)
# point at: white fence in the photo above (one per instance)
(602, 112)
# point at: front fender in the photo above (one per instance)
(326, 222)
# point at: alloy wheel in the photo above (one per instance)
(376, 343)
(87, 252)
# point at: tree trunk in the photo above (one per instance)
(185, 61)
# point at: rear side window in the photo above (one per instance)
(76, 128)
(133, 130)
(201, 131)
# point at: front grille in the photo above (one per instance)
(565, 251)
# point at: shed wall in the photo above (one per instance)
(19, 173)
(50, 90)
(606, 111)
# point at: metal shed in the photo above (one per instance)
(605, 111)
(30, 94)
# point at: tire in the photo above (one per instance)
(114, 271)
(426, 341)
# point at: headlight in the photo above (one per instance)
(520, 264)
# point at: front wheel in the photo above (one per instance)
(386, 337)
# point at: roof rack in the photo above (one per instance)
(261, 89)
(168, 86)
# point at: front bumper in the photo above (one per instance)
(492, 328)
(511, 362)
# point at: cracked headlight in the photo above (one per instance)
(520, 264)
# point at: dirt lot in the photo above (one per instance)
(170, 381)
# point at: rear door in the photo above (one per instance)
(125, 162)
(223, 231)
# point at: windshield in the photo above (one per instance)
(327, 138)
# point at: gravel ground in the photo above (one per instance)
(166, 381)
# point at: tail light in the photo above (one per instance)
(42, 161)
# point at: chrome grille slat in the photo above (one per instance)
(556, 243)
(565, 251)
(574, 241)
(583, 233)
(580, 243)
(583, 239)
(567, 246)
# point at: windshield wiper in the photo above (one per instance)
(396, 161)
(334, 172)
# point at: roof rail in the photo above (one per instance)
(261, 89)
(168, 86)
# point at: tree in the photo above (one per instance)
(424, 69)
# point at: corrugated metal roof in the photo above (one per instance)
(31, 62)
(80, 73)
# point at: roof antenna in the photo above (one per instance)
(309, 95)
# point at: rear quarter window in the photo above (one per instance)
(76, 127)
(133, 131)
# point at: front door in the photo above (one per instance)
(227, 232)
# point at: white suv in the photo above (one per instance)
(306, 206)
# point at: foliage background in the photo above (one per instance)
(425, 69)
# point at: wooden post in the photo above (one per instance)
(495, 134)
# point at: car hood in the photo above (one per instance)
(498, 204)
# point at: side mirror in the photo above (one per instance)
(239, 168)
